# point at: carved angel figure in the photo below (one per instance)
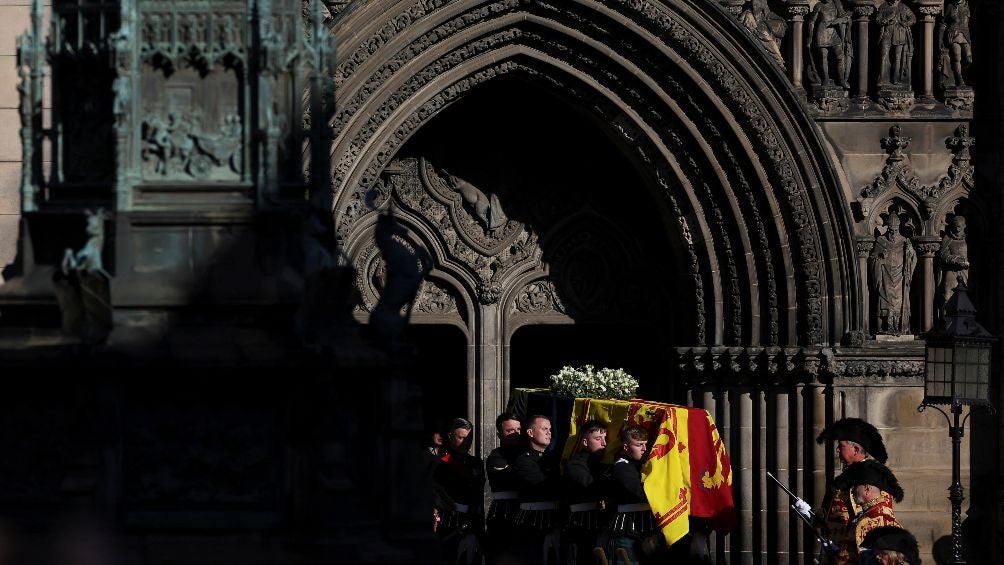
(485, 207)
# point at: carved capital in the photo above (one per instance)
(863, 11)
(930, 11)
(927, 246)
(865, 246)
(797, 9)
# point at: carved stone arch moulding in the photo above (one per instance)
(911, 224)
(379, 127)
(897, 180)
(436, 298)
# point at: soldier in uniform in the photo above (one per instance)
(461, 477)
(633, 520)
(872, 489)
(538, 478)
(583, 493)
(501, 517)
(856, 441)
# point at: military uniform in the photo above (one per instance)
(633, 520)
(461, 477)
(583, 489)
(537, 475)
(847, 521)
(500, 521)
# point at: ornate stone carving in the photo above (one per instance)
(864, 246)
(233, 452)
(83, 287)
(883, 368)
(768, 27)
(955, 44)
(829, 37)
(960, 172)
(679, 36)
(896, 21)
(436, 299)
(891, 265)
(538, 297)
(174, 37)
(177, 146)
(896, 172)
(953, 262)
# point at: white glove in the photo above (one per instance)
(803, 508)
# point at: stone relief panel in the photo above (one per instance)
(538, 297)
(435, 297)
(191, 88)
(201, 456)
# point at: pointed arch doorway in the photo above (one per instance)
(550, 249)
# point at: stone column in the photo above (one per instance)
(797, 9)
(745, 475)
(927, 246)
(863, 10)
(864, 247)
(486, 386)
(781, 432)
(928, 11)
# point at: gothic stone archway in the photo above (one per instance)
(735, 169)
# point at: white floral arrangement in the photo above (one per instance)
(589, 382)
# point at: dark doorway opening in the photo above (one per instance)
(440, 369)
(538, 351)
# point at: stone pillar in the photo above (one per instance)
(486, 385)
(780, 400)
(927, 246)
(928, 11)
(863, 10)
(746, 473)
(797, 9)
(864, 247)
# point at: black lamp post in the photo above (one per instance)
(957, 373)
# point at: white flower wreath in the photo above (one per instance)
(588, 382)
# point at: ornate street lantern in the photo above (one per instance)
(957, 374)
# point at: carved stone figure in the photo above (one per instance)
(405, 266)
(485, 207)
(895, 43)
(83, 287)
(829, 33)
(767, 26)
(956, 45)
(953, 261)
(891, 266)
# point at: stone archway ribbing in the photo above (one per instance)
(716, 127)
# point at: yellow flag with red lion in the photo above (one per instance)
(687, 473)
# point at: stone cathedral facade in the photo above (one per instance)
(756, 207)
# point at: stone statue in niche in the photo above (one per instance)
(895, 43)
(767, 26)
(406, 266)
(953, 261)
(891, 265)
(485, 207)
(829, 33)
(83, 287)
(956, 45)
